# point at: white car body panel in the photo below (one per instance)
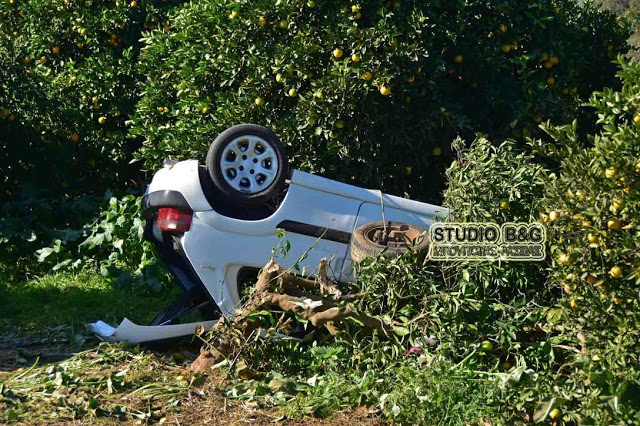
(181, 177)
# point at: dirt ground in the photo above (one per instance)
(20, 349)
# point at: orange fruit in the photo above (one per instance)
(503, 28)
(411, 79)
(385, 90)
(102, 120)
(551, 81)
(55, 49)
(367, 76)
(615, 272)
(506, 48)
(337, 53)
(553, 215)
(487, 345)
(234, 15)
(259, 101)
(610, 172)
(293, 92)
(614, 224)
(458, 59)
(356, 58)
(592, 279)
(504, 204)
(554, 60)
(262, 21)
(618, 204)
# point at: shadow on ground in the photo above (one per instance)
(46, 318)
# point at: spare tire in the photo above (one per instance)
(248, 164)
(391, 238)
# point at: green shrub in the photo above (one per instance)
(113, 243)
(32, 223)
(63, 65)
(497, 184)
(436, 69)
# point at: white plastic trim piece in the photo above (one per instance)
(133, 333)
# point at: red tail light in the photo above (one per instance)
(173, 220)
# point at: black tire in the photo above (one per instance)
(363, 246)
(232, 195)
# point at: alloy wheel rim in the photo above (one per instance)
(249, 164)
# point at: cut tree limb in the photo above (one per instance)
(318, 301)
(277, 287)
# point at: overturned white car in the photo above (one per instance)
(215, 226)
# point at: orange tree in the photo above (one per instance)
(67, 86)
(562, 335)
(593, 212)
(370, 91)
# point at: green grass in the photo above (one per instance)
(76, 299)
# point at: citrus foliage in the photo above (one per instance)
(67, 86)
(374, 91)
(593, 211)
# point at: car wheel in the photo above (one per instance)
(248, 163)
(392, 238)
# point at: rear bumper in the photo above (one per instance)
(167, 198)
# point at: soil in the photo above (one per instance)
(20, 348)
